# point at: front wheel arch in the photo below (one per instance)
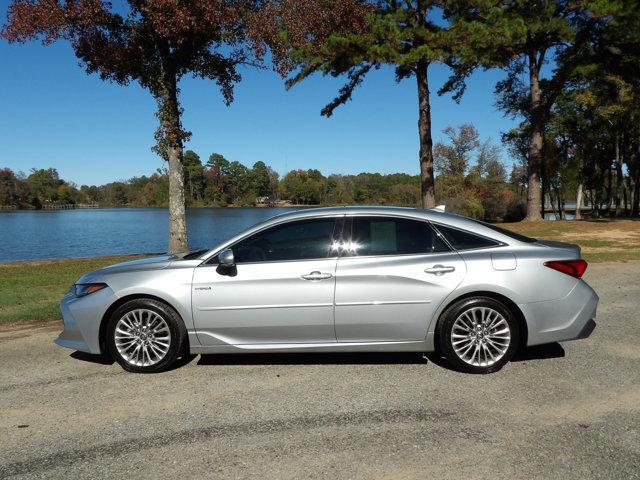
(506, 301)
(121, 301)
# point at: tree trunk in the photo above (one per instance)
(535, 147)
(618, 178)
(579, 190)
(578, 214)
(635, 208)
(172, 129)
(609, 190)
(544, 192)
(427, 182)
(555, 207)
(625, 195)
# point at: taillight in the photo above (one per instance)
(575, 268)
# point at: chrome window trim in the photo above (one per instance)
(399, 255)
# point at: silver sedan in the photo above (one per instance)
(345, 279)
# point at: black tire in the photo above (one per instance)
(445, 327)
(178, 334)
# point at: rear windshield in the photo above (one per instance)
(508, 233)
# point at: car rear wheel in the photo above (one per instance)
(478, 335)
(145, 336)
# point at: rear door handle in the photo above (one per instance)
(440, 270)
(317, 276)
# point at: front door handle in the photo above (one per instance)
(317, 276)
(440, 270)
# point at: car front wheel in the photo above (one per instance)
(478, 335)
(145, 336)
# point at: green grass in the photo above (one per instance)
(600, 240)
(31, 291)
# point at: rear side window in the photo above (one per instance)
(463, 240)
(508, 233)
(392, 236)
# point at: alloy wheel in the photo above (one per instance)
(142, 337)
(480, 336)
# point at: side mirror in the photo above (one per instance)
(226, 258)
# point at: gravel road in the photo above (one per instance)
(561, 411)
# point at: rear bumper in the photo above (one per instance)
(586, 331)
(568, 318)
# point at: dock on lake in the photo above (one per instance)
(69, 206)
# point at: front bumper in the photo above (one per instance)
(568, 318)
(81, 318)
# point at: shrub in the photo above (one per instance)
(469, 206)
(516, 211)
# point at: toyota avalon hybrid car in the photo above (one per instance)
(345, 279)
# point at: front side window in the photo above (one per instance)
(299, 240)
(392, 236)
(463, 240)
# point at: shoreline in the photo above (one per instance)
(48, 261)
(131, 207)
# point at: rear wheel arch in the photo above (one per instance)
(121, 301)
(506, 301)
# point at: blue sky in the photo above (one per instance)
(54, 115)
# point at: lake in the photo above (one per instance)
(42, 234)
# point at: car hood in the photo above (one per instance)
(152, 263)
(142, 264)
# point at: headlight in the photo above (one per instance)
(83, 289)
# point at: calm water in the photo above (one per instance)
(27, 235)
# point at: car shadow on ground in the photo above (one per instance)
(107, 360)
(539, 352)
(91, 358)
(313, 359)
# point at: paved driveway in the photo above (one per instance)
(562, 411)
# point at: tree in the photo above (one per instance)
(617, 54)
(488, 156)
(154, 43)
(352, 37)
(9, 190)
(304, 187)
(216, 175)
(522, 36)
(260, 179)
(453, 158)
(193, 175)
(237, 180)
(44, 185)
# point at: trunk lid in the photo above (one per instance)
(569, 248)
